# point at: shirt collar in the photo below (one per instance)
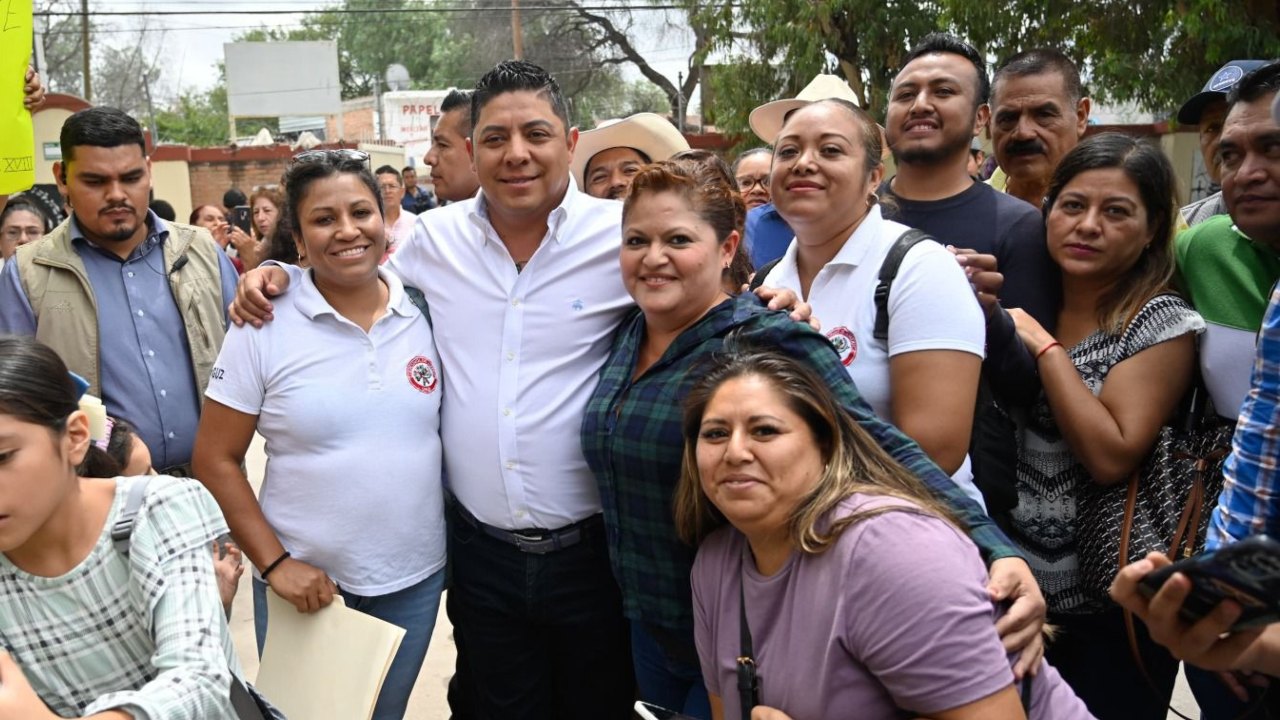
(312, 304)
(556, 220)
(157, 232)
(862, 241)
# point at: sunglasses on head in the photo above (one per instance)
(310, 156)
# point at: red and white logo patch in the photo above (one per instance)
(422, 374)
(845, 343)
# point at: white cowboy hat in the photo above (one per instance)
(651, 134)
(766, 120)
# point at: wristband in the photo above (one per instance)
(275, 564)
(1047, 348)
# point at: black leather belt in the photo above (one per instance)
(537, 541)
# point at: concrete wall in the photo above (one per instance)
(171, 181)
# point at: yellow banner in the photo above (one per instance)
(17, 138)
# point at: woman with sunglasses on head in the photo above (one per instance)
(345, 387)
(90, 627)
(1119, 361)
(830, 582)
(682, 222)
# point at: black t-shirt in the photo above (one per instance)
(994, 223)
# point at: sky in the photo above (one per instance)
(191, 44)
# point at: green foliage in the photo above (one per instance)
(1154, 53)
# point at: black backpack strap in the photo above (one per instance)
(758, 279)
(122, 530)
(417, 298)
(889, 271)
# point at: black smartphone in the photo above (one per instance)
(1247, 572)
(654, 712)
(240, 218)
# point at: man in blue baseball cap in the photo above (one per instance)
(1208, 109)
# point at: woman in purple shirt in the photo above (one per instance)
(863, 596)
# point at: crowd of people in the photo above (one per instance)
(788, 437)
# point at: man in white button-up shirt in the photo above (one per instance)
(525, 295)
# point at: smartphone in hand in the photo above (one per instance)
(1247, 572)
(240, 217)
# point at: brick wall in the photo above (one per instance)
(213, 171)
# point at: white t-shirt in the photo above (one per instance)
(931, 307)
(352, 423)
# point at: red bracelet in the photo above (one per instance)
(1047, 348)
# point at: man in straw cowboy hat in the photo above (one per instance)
(608, 157)
(767, 234)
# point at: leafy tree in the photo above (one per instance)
(60, 40)
(1155, 53)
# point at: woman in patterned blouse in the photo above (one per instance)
(1120, 361)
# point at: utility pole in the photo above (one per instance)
(680, 102)
(84, 45)
(517, 35)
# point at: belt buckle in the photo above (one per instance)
(536, 543)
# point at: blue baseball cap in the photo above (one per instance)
(1222, 82)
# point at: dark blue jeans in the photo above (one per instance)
(1092, 654)
(669, 682)
(544, 634)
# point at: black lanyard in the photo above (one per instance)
(748, 677)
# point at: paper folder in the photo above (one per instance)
(326, 665)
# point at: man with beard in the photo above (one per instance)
(609, 156)
(134, 304)
(937, 104)
(1038, 113)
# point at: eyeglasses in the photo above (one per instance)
(18, 233)
(746, 183)
(389, 187)
(311, 156)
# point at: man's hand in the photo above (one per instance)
(306, 586)
(251, 304)
(17, 699)
(32, 91)
(983, 275)
(1020, 628)
(787, 299)
(1205, 643)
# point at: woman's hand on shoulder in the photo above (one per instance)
(1030, 331)
(788, 299)
(307, 587)
(1020, 628)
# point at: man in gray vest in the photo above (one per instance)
(134, 304)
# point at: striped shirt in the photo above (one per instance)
(144, 634)
(1250, 499)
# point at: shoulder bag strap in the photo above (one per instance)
(417, 298)
(889, 271)
(758, 279)
(122, 529)
(748, 679)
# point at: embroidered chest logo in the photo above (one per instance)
(422, 374)
(845, 343)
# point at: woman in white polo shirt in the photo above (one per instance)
(345, 387)
(924, 376)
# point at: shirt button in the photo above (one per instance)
(506, 411)
(140, 313)
(511, 356)
(130, 273)
(151, 353)
(170, 436)
(164, 393)
(520, 514)
(511, 465)
(515, 302)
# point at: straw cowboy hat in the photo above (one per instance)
(766, 120)
(651, 134)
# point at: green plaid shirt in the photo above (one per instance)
(631, 437)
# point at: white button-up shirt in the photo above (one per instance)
(522, 351)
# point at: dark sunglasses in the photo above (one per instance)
(311, 156)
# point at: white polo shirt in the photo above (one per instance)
(523, 350)
(352, 424)
(931, 307)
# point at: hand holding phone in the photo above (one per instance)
(240, 217)
(1247, 572)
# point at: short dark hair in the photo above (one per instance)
(1039, 61)
(24, 203)
(104, 127)
(407, 168)
(1257, 84)
(234, 197)
(514, 76)
(940, 42)
(388, 170)
(459, 100)
(751, 153)
(164, 210)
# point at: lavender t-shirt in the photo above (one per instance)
(893, 621)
